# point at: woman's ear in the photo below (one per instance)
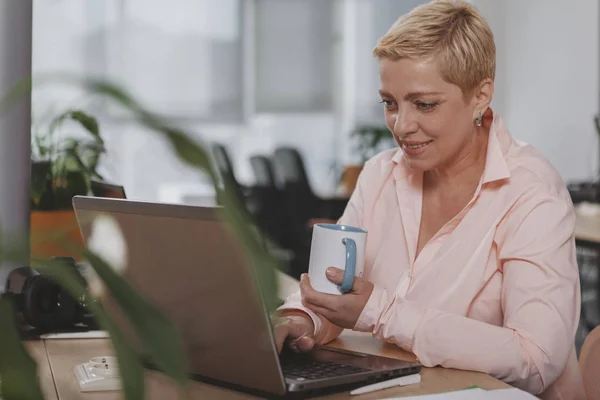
(483, 94)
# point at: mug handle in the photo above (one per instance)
(348, 280)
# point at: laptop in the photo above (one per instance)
(188, 263)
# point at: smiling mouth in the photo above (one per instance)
(417, 145)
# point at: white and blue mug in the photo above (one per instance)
(339, 246)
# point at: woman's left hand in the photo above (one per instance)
(343, 310)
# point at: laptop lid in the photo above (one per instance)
(187, 262)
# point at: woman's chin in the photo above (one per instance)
(421, 165)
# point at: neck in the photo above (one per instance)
(465, 168)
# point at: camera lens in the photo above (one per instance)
(49, 299)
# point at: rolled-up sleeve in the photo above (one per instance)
(325, 331)
(540, 299)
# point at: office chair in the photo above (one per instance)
(263, 171)
(268, 200)
(228, 180)
(301, 205)
(291, 172)
(244, 194)
(225, 169)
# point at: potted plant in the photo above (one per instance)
(370, 139)
(62, 166)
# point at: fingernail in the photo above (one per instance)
(330, 272)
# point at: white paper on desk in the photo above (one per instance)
(474, 394)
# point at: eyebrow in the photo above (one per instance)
(412, 95)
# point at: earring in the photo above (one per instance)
(479, 119)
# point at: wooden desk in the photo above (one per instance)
(37, 351)
(63, 355)
(587, 228)
(57, 358)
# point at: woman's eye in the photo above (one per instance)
(425, 106)
(387, 103)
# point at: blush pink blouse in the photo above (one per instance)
(496, 290)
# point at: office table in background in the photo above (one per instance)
(587, 228)
(587, 238)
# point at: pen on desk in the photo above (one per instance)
(402, 381)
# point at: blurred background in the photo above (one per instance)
(284, 93)
(257, 74)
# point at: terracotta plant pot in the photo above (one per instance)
(350, 178)
(49, 232)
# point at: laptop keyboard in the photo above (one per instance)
(316, 369)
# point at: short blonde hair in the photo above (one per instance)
(453, 33)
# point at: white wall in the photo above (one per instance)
(547, 72)
(547, 86)
(373, 19)
(145, 163)
(290, 103)
(363, 23)
(293, 41)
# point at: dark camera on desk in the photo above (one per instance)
(47, 306)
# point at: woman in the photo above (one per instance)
(470, 260)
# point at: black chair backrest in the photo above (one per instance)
(222, 160)
(270, 204)
(290, 169)
(300, 201)
(263, 171)
(300, 204)
(225, 170)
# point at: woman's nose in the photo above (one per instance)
(404, 124)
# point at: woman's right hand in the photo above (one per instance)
(294, 329)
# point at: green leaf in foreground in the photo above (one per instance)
(15, 94)
(157, 334)
(130, 368)
(196, 156)
(262, 262)
(18, 371)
